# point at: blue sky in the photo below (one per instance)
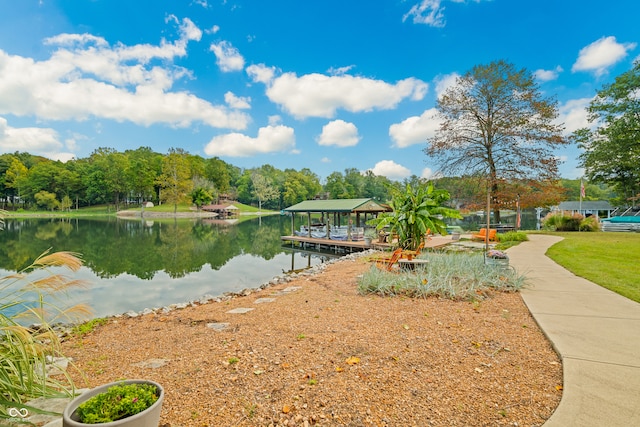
(325, 85)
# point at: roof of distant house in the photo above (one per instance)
(590, 205)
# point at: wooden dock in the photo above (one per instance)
(336, 246)
(333, 245)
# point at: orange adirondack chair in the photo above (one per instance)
(412, 254)
(482, 235)
(387, 264)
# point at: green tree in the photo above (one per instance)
(612, 152)
(144, 167)
(376, 187)
(106, 179)
(16, 177)
(338, 187)
(263, 189)
(495, 125)
(415, 211)
(355, 182)
(200, 196)
(46, 200)
(299, 186)
(175, 179)
(218, 172)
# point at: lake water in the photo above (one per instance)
(138, 264)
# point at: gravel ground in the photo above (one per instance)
(323, 355)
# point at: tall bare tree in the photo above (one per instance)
(496, 125)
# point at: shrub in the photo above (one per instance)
(453, 275)
(590, 223)
(513, 236)
(561, 221)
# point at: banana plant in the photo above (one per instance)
(415, 212)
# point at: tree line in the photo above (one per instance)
(123, 179)
(126, 179)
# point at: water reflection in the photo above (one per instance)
(132, 265)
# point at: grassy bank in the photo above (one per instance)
(102, 210)
(608, 259)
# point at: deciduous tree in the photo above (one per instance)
(612, 152)
(175, 179)
(496, 125)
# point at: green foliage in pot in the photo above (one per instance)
(118, 402)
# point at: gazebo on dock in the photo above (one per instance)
(337, 208)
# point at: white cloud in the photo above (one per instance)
(340, 70)
(202, 3)
(325, 160)
(213, 30)
(339, 133)
(261, 73)
(444, 82)
(237, 102)
(275, 120)
(40, 141)
(547, 75)
(318, 95)
(86, 77)
(62, 157)
(601, 54)
(429, 12)
(228, 57)
(427, 173)
(415, 130)
(391, 170)
(270, 139)
(573, 114)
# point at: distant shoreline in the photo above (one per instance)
(151, 214)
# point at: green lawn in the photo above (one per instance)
(608, 259)
(110, 210)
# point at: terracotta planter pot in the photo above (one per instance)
(150, 417)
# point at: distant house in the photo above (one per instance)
(586, 208)
(223, 210)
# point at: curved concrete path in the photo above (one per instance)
(595, 331)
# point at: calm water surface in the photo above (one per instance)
(136, 264)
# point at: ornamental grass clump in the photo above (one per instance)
(458, 276)
(118, 402)
(29, 298)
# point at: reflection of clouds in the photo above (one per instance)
(127, 292)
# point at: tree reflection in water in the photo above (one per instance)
(137, 264)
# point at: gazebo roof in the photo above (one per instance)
(337, 205)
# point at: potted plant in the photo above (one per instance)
(369, 235)
(496, 257)
(129, 403)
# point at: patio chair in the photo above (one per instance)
(482, 235)
(387, 264)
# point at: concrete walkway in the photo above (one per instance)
(595, 331)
